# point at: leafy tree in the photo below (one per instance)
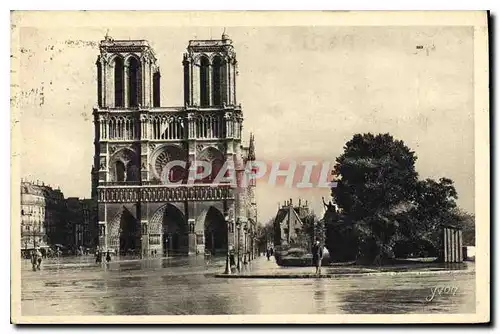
(312, 228)
(266, 234)
(434, 205)
(341, 236)
(374, 173)
(375, 177)
(467, 223)
(383, 209)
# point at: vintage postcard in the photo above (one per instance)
(250, 167)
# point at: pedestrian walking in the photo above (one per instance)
(208, 257)
(232, 260)
(33, 260)
(108, 256)
(98, 257)
(317, 252)
(38, 259)
(268, 254)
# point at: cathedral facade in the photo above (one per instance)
(148, 203)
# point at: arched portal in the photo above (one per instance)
(128, 233)
(134, 94)
(122, 232)
(216, 234)
(175, 232)
(119, 82)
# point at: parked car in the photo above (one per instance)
(298, 257)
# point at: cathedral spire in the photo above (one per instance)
(251, 148)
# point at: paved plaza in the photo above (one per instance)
(187, 285)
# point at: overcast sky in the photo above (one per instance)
(305, 91)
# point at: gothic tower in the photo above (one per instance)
(210, 70)
(127, 86)
(147, 200)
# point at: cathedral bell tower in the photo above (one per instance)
(210, 70)
(128, 87)
(127, 75)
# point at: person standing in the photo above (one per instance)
(317, 252)
(38, 259)
(108, 257)
(33, 260)
(98, 256)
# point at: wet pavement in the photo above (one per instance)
(187, 285)
(269, 269)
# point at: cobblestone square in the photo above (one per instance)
(187, 285)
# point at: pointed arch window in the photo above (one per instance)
(134, 70)
(120, 171)
(217, 89)
(119, 82)
(99, 83)
(156, 89)
(204, 82)
(132, 171)
(187, 83)
(217, 165)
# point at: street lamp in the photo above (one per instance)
(245, 237)
(228, 261)
(25, 241)
(238, 232)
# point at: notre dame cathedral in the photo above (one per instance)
(144, 207)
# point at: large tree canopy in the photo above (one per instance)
(374, 174)
(382, 203)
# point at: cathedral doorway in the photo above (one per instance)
(175, 232)
(127, 233)
(215, 232)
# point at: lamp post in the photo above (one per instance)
(238, 232)
(228, 263)
(25, 241)
(252, 245)
(245, 244)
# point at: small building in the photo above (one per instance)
(288, 223)
(452, 251)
